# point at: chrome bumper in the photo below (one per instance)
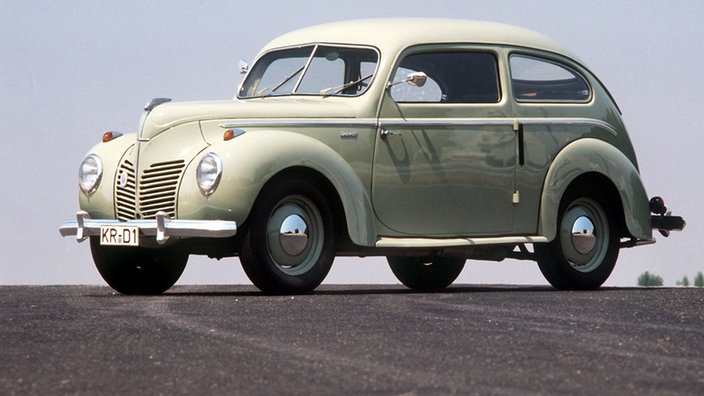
(161, 228)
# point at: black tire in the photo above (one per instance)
(586, 247)
(141, 271)
(426, 274)
(289, 243)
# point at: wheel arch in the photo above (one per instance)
(603, 166)
(326, 187)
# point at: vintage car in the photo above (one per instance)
(426, 141)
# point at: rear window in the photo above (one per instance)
(542, 80)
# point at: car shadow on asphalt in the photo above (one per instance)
(341, 290)
(352, 290)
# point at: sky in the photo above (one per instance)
(71, 70)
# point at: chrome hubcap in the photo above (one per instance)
(584, 235)
(293, 235)
(583, 238)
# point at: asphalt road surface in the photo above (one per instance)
(373, 340)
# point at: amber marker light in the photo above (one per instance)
(110, 135)
(231, 134)
(228, 135)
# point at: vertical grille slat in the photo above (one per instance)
(158, 186)
(125, 194)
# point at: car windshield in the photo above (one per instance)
(311, 70)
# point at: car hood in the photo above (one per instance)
(168, 115)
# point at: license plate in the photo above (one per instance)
(119, 236)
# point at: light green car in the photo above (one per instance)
(426, 141)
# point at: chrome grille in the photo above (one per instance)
(125, 192)
(158, 186)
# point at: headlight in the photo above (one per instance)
(208, 173)
(90, 173)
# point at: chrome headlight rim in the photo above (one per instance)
(209, 173)
(90, 173)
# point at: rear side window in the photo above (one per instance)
(541, 80)
(453, 77)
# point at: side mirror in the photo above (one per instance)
(416, 79)
(244, 66)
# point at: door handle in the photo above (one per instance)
(384, 133)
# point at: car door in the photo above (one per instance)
(445, 155)
(553, 106)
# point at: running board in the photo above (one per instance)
(386, 242)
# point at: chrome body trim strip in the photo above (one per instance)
(458, 122)
(140, 139)
(342, 123)
(570, 122)
(424, 123)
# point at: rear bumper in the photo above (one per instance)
(161, 228)
(662, 220)
(667, 223)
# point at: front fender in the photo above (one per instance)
(252, 159)
(595, 156)
(100, 204)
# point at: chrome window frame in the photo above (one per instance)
(315, 46)
(553, 61)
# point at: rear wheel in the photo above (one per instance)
(584, 252)
(426, 274)
(289, 244)
(136, 270)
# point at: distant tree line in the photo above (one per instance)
(646, 279)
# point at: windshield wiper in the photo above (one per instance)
(340, 88)
(288, 78)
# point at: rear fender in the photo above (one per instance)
(595, 156)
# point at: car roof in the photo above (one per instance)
(395, 34)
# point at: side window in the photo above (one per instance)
(453, 77)
(540, 80)
(428, 93)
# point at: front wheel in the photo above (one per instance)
(135, 270)
(426, 274)
(289, 245)
(584, 252)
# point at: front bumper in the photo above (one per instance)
(161, 228)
